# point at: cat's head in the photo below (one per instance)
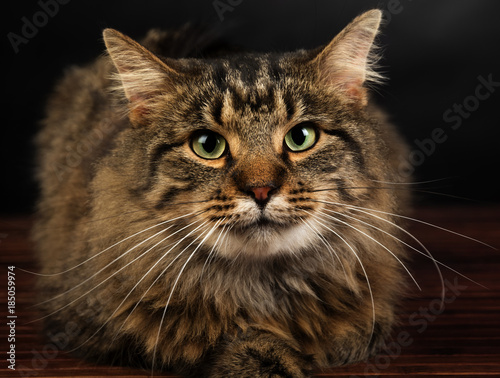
(253, 146)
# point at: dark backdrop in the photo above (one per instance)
(442, 58)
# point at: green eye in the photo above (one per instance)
(301, 137)
(208, 144)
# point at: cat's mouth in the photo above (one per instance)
(263, 237)
(262, 223)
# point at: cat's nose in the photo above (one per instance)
(261, 194)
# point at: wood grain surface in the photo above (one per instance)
(457, 337)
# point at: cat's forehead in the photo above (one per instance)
(258, 89)
(251, 69)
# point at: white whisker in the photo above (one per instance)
(109, 277)
(137, 283)
(325, 242)
(175, 285)
(364, 272)
(106, 249)
(427, 253)
(225, 239)
(410, 219)
(161, 273)
(105, 267)
(412, 182)
(212, 251)
(379, 243)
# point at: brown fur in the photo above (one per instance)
(225, 286)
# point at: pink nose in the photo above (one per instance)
(261, 192)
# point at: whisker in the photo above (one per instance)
(163, 271)
(325, 243)
(105, 267)
(417, 190)
(364, 272)
(410, 219)
(137, 283)
(90, 221)
(102, 269)
(412, 182)
(448, 195)
(427, 253)
(224, 238)
(328, 246)
(353, 187)
(175, 285)
(109, 277)
(379, 243)
(112, 246)
(209, 257)
(427, 191)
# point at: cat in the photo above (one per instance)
(221, 213)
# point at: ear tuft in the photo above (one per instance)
(142, 74)
(347, 62)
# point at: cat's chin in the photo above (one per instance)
(262, 225)
(266, 238)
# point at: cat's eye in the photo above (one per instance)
(301, 137)
(208, 144)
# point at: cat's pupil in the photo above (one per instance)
(299, 135)
(209, 142)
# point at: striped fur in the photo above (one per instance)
(166, 259)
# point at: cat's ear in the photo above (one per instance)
(346, 63)
(142, 74)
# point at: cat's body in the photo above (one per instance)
(210, 219)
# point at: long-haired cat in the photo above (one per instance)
(221, 213)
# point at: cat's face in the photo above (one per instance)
(252, 146)
(256, 153)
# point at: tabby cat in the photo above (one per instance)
(221, 213)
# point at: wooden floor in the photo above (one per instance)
(462, 338)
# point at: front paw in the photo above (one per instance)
(260, 355)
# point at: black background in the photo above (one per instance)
(434, 53)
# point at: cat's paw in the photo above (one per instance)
(261, 355)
